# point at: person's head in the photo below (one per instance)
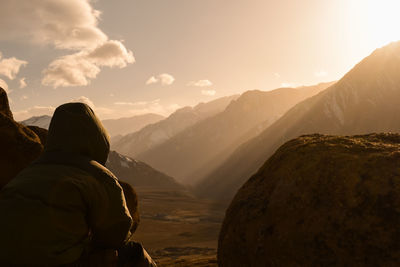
(75, 128)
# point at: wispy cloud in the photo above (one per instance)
(208, 92)
(154, 106)
(163, 79)
(4, 85)
(139, 103)
(287, 84)
(277, 75)
(79, 68)
(33, 111)
(68, 25)
(200, 83)
(151, 80)
(9, 67)
(320, 73)
(84, 99)
(22, 83)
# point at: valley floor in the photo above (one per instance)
(178, 229)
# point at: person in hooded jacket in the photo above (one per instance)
(67, 205)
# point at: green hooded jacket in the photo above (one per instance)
(66, 202)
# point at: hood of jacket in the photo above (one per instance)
(75, 129)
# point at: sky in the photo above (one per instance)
(130, 57)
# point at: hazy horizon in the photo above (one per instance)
(133, 57)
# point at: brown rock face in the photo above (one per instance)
(319, 201)
(19, 145)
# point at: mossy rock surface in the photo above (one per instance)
(319, 201)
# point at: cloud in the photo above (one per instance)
(33, 111)
(71, 70)
(111, 54)
(101, 112)
(286, 84)
(277, 75)
(139, 103)
(68, 25)
(24, 97)
(153, 106)
(320, 73)
(10, 67)
(208, 92)
(4, 85)
(200, 83)
(164, 79)
(22, 83)
(84, 99)
(151, 80)
(79, 68)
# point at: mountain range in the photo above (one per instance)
(115, 127)
(123, 126)
(39, 121)
(135, 143)
(194, 152)
(365, 100)
(139, 174)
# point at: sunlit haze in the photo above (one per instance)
(132, 57)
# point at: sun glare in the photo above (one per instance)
(382, 20)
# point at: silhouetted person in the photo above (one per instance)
(67, 208)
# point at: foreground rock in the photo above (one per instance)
(19, 144)
(319, 201)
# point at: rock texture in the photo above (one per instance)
(319, 201)
(19, 144)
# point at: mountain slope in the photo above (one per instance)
(195, 151)
(152, 135)
(124, 126)
(365, 100)
(139, 174)
(39, 121)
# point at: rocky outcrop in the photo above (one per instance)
(19, 144)
(319, 201)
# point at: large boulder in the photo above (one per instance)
(319, 201)
(19, 144)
